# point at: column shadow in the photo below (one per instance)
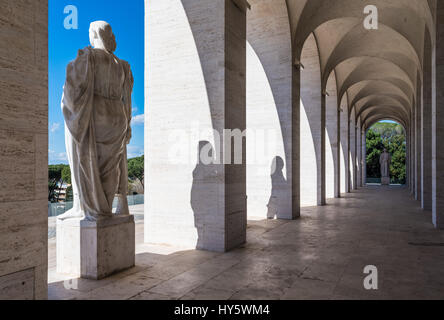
(204, 194)
(279, 186)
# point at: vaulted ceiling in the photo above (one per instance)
(378, 71)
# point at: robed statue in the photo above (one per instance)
(384, 162)
(96, 105)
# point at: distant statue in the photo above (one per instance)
(96, 105)
(384, 161)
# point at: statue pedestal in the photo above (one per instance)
(385, 181)
(95, 250)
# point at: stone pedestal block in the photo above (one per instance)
(385, 181)
(95, 250)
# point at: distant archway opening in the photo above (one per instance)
(390, 135)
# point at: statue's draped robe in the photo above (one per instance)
(384, 161)
(96, 105)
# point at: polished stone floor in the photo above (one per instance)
(320, 256)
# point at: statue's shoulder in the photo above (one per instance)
(85, 52)
(125, 64)
(82, 56)
(127, 68)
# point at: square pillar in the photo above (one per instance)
(412, 153)
(322, 201)
(353, 147)
(426, 129)
(359, 155)
(364, 158)
(296, 141)
(418, 134)
(196, 102)
(344, 125)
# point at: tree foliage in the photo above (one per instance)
(61, 174)
(136, 169)
(392, 137)
(66, 174)
(55, 179)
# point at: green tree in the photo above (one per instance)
(136, 169)
(392, 137)
(57, 175)
(54, 178)
(66, 175)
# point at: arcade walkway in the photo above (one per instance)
(320, 256)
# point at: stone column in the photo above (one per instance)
(295, 141)
(195, 95)
(438, 121)
(353, 140)
(338, 155)
(426, 129)
(407, 159)
(364, 158)
(345, 145)
(358, 155)
(412, 153)
(24, 150)
(321, 161)
(418, 130)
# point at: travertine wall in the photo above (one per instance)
(23, 149)
(195, 82)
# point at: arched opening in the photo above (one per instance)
(332, 144)
(312, 127)
(269, 109)
(389, 135)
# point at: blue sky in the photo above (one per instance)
(127, 21)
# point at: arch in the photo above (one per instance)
(269, 109)
(372, 119)
(312, 133)
(332, 152)
(309, 15)
(378, 44)
(379, 100)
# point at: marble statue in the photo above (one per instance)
(96, 105)
(384, 161)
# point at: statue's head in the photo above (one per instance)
(385, 150)
(101, 36)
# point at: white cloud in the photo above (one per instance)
(134, 151)
(138, 120)
(54, 127)
(54, 156)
